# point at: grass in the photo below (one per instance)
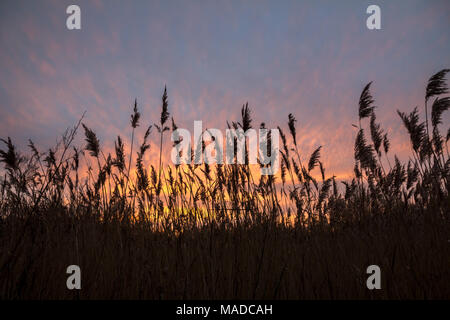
(221, 232)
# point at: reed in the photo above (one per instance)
(222, 231)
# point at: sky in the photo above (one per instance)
(309, 58)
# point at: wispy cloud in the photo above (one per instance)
(308, 58)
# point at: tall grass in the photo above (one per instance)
(220, 231)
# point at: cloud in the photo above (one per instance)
(306, 58)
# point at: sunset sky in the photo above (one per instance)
(309, 58)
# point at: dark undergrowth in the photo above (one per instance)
(265, 261)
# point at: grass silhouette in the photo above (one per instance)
(220, 231)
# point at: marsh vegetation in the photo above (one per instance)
(161, 231)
